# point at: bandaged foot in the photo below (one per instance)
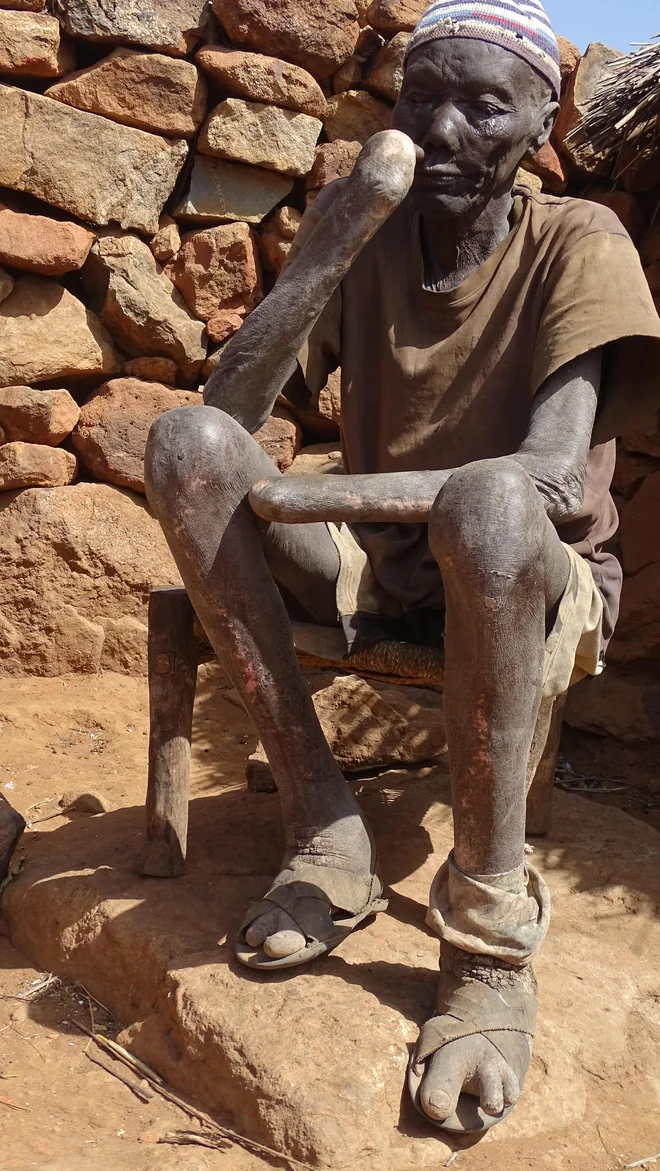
(489, 1007)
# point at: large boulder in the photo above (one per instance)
(37, 416)
(57, 598)
(280, 437)
(617, 703)
(264, 136)
(173, 26)
(332, 160)
(218, 268)
(355, 115)
(148, 90)
(140, 306)
(40, 244)
(638, 628)
(640, 526)
(167, 241)
(589, 72)
(111, 435)
(46, 333)
(6, 285)
(85, 164)
(32, 465)
(318, 35)
(390, 17)
(262, 79)
(385, 77)
(31, 45)
(24, 5)
(221, 191)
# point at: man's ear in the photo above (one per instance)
(547, 121)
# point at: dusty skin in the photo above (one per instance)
(221, 504)
(76, 732)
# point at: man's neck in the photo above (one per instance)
(454, 249)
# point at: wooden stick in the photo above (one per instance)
(173, 658)
(145, 1095)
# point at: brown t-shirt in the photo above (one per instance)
(437, 380)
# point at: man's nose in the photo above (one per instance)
(443, 129)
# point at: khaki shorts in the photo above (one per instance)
(573, 647)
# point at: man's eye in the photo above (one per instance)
(417, 98)
(487, 109)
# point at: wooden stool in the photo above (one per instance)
(175, 650)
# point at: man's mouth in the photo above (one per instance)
(443, 178)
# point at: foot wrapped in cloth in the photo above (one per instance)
(468, 1068)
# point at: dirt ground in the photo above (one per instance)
(58, 1110)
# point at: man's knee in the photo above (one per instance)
(189, 446)
(488, 518)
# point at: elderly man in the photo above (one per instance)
(479, 328)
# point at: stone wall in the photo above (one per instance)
(155, 162)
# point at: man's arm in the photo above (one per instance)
(554, 453)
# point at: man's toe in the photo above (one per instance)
(440, 1089)
(283, 944)
(491, 1096)
(510, 1087)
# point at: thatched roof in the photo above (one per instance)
(623, 116)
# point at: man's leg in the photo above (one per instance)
(504, 571)
(200, 466)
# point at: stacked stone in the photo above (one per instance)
(155, 162)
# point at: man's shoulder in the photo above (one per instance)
(569, 218)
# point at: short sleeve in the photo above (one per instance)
(596, 295)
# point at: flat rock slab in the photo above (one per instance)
(229, 191)
(314, 1062)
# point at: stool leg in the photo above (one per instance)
(543, 764)
(173, 656)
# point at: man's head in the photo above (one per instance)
(478, 94)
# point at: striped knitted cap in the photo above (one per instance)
(521, 26)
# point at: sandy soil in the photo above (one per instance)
(75, 734)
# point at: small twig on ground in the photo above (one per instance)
(145, 1094)
(38, 986)
(90, 997)
(4, 1100)
(216, 1131)
(643, 1162)
(193, 1138)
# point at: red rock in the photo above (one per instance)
(31, 45)
(276, 239)
(640, 164)
(354, 116)
(333, 160)
(631, 470)
(638, 628)
(24, 5)
(348, 76)
(167, 241)
(640, 527)
(626, 207)
(62, 610)
(547, 165)
(151, 370)
(153, 92)
(280, 437)
(37, 416)
(40, 244)
(652, 274)
(625, 706)
(111, 435)
(6, 285)
(262, 79)
(172, 26)
(590, 71)
(386, 74)
(33, 465)
(569, 56)
(263, 136)
(224, 323)
(646, 442)
(395, 16)
(217, 268)
(318, 35)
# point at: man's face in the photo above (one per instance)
(475, 109)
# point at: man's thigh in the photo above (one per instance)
(304, 560)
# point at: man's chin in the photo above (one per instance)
(443, 204)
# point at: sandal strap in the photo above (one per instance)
(475, 1008)
(310, 895)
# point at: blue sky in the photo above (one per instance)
(616, 22)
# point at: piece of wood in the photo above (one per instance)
(173, 657)
(543, 764)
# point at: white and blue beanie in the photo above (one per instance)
(522, 27)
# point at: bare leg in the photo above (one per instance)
(199, 468)
(504, 571)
